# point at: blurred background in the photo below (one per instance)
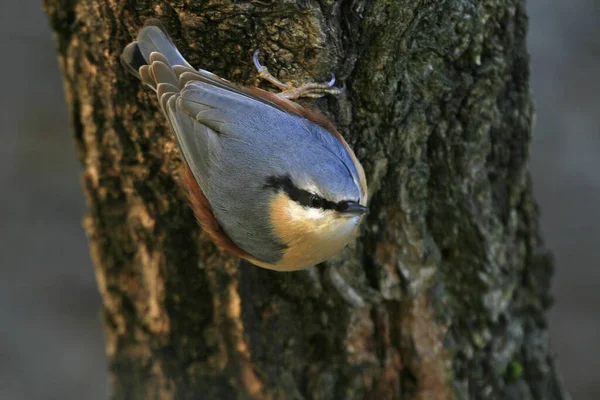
(48, 296)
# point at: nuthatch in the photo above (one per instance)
(269, 180)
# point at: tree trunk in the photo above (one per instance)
(443, 295)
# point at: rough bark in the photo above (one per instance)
(443, 295)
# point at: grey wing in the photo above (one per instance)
(188, 75)
(218, 131)
(209, 117)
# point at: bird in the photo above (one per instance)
(269, 180)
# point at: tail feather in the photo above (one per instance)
(154, 59)
(132, 59)
(152, 38)
(161, 70)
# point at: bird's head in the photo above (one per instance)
(314, 216)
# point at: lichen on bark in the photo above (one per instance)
(444, 293)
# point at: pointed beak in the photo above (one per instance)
(353, 209)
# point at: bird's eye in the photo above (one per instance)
(315, 201)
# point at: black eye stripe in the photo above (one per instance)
(316, 201)
(300, 196)
(342, 206)
(285, 183)
(319, 202)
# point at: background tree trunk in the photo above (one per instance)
(445, 292)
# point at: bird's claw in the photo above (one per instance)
(288, 91)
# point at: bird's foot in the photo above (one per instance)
(291, 92)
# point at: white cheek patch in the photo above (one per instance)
(298, 212)
(313, 213)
